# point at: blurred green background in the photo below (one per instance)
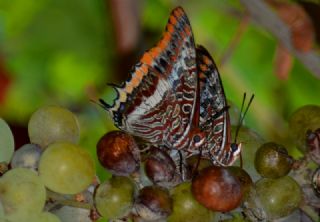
(64, 53)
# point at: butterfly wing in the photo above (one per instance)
(213, 112)
(157, 102)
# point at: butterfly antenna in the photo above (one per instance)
(101, 103)
(242, 115)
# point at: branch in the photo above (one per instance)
(262, 14)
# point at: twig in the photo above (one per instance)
(262, 14)
(309, 211)
(235, 40)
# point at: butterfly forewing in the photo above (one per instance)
(214, 116)
(158, 100)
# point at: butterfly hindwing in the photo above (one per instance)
(214, 115)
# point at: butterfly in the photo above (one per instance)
(174, 97)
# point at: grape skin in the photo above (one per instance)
(22, 193)
(6, 142)
(114, 197)
(185, 206)
(66, 168)
(53, 124)
(26, 156)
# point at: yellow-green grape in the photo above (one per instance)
(186, 208)
(279, 197)
(6, 142)
(22, 193)
(66, 168)
(303, 119)
(53, 124)
(114, 197)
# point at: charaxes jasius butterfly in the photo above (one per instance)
(174, 97)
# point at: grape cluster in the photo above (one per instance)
(41, 177)
(266, 188)
(53, 178)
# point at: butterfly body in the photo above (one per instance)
(174, 97)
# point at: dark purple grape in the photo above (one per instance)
(153, 203)
(243, 177)
(160, 168)
(118, 152)
(217, 189)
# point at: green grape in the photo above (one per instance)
(53, 124)
(272, 160)
(114, 197)
(72, 214)
(303, 119)
(66, 168)
(186, 207)
(279, 197)
(6, 142)
(22, 193)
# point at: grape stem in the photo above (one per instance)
(58, 200)
(3, 168)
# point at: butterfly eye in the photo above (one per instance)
(196, 139)
(234, 147)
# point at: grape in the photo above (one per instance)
(159, 167)
(186, 208)
(118, 152)
(272, 160)
(303, 119)
(27, 156)
(22, 193)
(279, 197)
(53, 124)
(217, 189)
(243, 177)
(6, 142)
(66, 168)
(114, 197)
(72, 214)
(153, 203)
